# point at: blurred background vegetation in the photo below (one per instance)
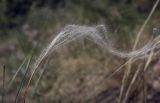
(77, 72)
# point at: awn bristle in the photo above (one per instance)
(98, 35)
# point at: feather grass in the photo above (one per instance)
(98, 35)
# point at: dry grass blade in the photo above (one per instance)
(149, 60)
(19, 68)
(128, 71)
(123, 86)
(132, 82)
(144, 88)
(23, 80)
(118, 69)
(13, 78)
(144, 70)
(145, 23)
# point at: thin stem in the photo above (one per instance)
(23, 80)
(3, 93)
